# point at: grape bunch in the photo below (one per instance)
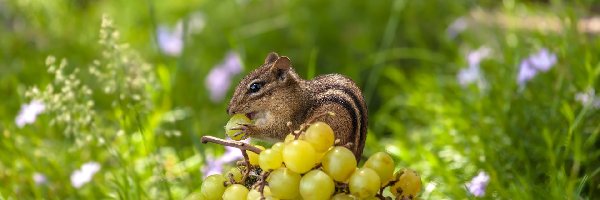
(308, 164)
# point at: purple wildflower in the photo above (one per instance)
(475, 57)
(526, 72)
(219, 78)
(84, 175)
(468, 75)
(233, 63)
(540, 62)
(39, 178)
(478, 184)
(458, 26)
(215, 166)
(171, 41)
(543, 60)
(29, 113)
(218, 81)
(212, 166)
(473, 73)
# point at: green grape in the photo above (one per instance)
(235, 192)
(343, 196)
(289, 138)
(383, 164)
(339, 163)
(234, 122)
(270, 159)
(316, 184)
(302, 136)
(364, 183)
(237, 174)
(372, 198)
(253, 157)
(254, 194)
(299, 156)
(408, 184)
(213, 186)
(278, 146)
(320, 135)
(267, 191)
(319, 157)
(284, 183)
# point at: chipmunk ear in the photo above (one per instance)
(283, 63)
(281, 66)
(272, 57)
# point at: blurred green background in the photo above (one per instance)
(440, 77)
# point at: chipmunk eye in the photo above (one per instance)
(254, 87)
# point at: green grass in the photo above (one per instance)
(536, 141)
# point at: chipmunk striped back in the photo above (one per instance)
(339, 94)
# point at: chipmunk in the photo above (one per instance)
(274, 95)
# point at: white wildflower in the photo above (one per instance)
(29, 113)
(588, 98)
(84, 175)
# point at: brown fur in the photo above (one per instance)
(289, 98)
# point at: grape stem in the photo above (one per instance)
(237, 144)
(247, 164)
(263, 182)
(380, 195)
(338, 142)
(231, 179)
(289, 126)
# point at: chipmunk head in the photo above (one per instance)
(265, 90)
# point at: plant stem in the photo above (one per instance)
(230, 143)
